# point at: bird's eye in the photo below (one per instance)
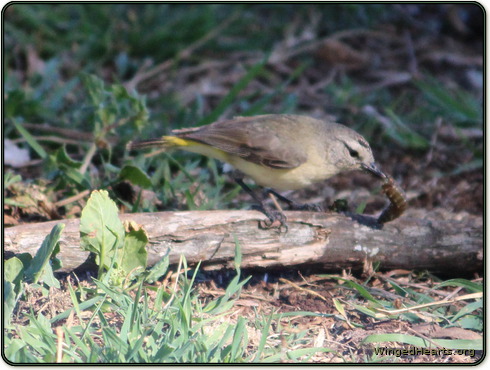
(353, 153)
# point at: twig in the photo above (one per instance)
(276, 204)
(280, 55)
(424, 337)
(88, 158)
(388, 79)
(71, 199)
(54, 139)
(437, 303)
(59, 344)
(66, 132)
(453, 293)
(309, 291)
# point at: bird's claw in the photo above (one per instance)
(276, 220)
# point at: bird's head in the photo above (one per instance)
(352, 152)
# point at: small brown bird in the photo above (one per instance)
(277, 151)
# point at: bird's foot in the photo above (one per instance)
(275, 219)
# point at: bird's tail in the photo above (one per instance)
(164, 142)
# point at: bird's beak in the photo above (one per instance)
(373, 169)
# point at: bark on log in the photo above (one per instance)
(437, 241)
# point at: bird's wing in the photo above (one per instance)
(250, 138)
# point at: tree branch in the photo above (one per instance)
(438, 241)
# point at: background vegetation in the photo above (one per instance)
(81, 80)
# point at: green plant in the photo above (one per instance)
(23, 269)
(119, 250)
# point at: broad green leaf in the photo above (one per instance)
(62, 157)
(101, 231)
(159, 269)
(44, 253)
(75, 176)
(135, 176)
(25, 258)
(134, 252)
(48, 277)
(10, 300)
(13, 270)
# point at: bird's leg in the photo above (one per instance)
(294, 205)
(276, 217)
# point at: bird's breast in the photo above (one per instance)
(314, 170)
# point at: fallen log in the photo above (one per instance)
(437, 241)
